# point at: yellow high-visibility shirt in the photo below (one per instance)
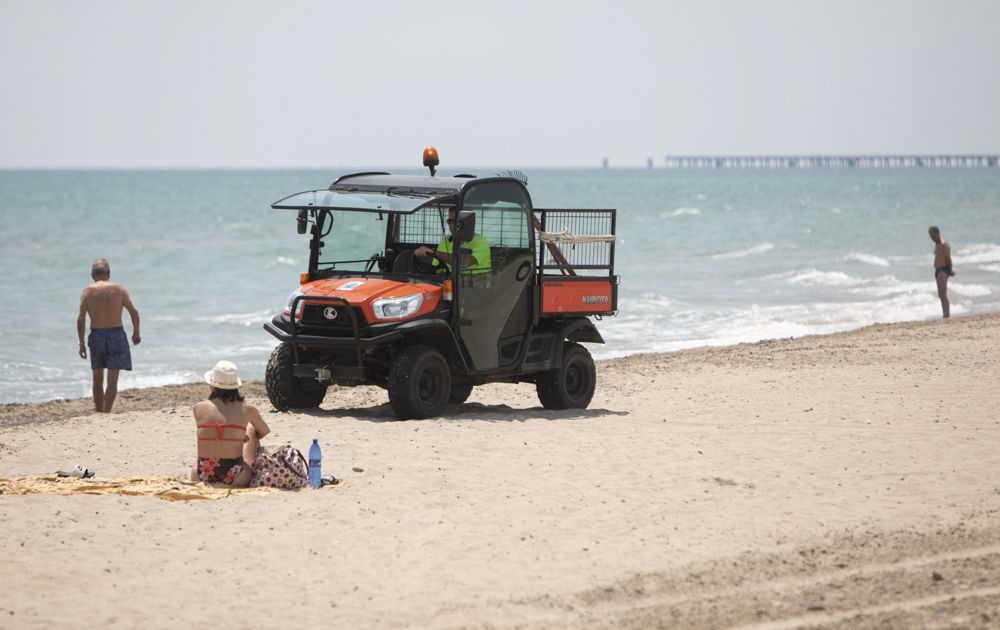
(480, 251)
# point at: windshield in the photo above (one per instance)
(350, 240)
(390, 201)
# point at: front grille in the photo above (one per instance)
(315, 315)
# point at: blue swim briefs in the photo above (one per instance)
(109, 349)
(945, 270)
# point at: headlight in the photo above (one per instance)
(395, 308)
(286, 314)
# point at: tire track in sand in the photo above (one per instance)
(890, 611)
(896, 579)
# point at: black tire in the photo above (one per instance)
(460, 393)
(286, 391)
(570, 386)
(419, 383)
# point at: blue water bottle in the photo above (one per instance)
(315, 459)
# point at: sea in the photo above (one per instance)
(705, 257)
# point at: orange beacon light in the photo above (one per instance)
(431, 159)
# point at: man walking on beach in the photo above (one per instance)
(942, 267)
(103, 301)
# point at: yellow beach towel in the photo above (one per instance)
(167, 488)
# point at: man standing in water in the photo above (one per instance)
(103, 301)
(942, 267)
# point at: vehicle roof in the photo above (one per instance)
(382, 192)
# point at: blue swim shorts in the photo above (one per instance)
(109, 349)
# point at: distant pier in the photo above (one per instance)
(832, 161)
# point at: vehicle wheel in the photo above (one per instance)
(286, 391)
(419, 383)
(460, 393)
(570, 386)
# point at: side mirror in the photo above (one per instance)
(303, 218)
(465, 226)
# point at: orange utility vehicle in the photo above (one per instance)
(514, 306)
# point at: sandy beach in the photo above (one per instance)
(838, 481)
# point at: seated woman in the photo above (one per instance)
(228, 430)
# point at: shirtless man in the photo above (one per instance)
(942, 267)
(103, 301)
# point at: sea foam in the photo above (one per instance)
(633, 331)
(881, 286)
(243, 319)
(969, 290)
(891, 285)
(868, 259)
(680, 212)
(137, 380)
(743, 253)
(815, 277)
(977, 253)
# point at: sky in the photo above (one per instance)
(539, 83)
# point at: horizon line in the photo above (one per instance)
(605, 164)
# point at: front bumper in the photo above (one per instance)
(322, 341)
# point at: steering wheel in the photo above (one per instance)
(423, 264)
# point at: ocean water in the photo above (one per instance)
(705, 258)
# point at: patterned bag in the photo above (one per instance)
(285, 468)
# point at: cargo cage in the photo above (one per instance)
(576, 261)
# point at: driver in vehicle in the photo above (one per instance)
(474, 263)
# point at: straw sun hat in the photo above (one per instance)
(223, 376)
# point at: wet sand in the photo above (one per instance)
(837, 481)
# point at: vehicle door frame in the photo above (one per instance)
(456, 320)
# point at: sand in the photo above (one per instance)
(840, 481)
